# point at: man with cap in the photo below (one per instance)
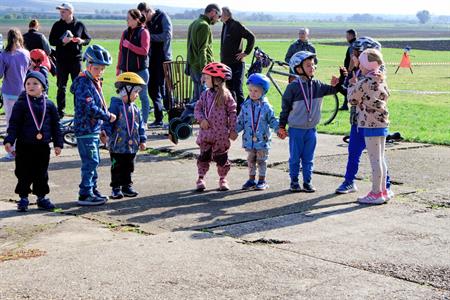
(232, 53)
(68, 35)
(302, 44)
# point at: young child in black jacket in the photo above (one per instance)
(33, 125)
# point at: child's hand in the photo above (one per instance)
(142, 146)
(282, 133)
(57, 151)
(112, 117)
(103, 137)
(355, 61)
(204, 125)
(343, 71)
(233, 135)
(334, 81)
(354, 79)
(8, 148)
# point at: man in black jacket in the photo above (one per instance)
(351, 37)
(34, 39)
(160, 28)
(68, 35)
(232, 54)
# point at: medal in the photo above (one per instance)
(255, 139)
(255, 126)
(39, 135)
(129, 129)
(307, 105)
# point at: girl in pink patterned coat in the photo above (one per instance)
(216, 113)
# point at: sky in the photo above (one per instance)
(397, 7)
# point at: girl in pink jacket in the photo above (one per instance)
(216, 113)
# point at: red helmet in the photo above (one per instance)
(216, 69)
(39, 57)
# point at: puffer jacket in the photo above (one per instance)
(267, 120)
(370, 95)
(118, 132)
(90, 107)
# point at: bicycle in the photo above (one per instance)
(68, 132)
(261, 60)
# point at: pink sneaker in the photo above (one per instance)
(223, 185)
(200, 185)
(388, 194)
(372, 198)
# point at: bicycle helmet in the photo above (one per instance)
(127, 81)
(259, 80)
(40, 58)
(298, 58)
(365, 42)
(216, 69)
(97, 55)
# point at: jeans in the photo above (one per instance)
(143, 96)
(199, 87)
(88, 148)
(302, 144)
(72, 68)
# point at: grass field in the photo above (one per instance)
(421, 117)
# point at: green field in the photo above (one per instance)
(419, 117)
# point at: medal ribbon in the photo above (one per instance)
(130, 131)
(38, 127)
(255, 125)
(210, 109)
(308, 105)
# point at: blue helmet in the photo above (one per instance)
(259, 80)
(365, 42)
(298, 58)
(97, 55)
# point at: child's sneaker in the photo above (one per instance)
(128, 191)
(201, 186)
(261, 185)
(90, 200)
(295, 187)
(22, 205)
(308, 187)
(388, 194)
(116, 193)
(223, 185)
(99, 195)
(249, 185)
(346, 188)
(372, 198)
(45, 203)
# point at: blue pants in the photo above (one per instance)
(356, 147)
(143, 96)
(302, 144)
(88, 148)
(199, 87)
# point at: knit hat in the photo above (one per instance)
(37, 75)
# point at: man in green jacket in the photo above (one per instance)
(199, 45)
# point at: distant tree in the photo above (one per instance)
(423, 16)
(361, 18)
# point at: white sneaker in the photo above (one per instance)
(372, 198)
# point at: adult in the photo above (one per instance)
(133, 54)
(68, 35)
(232, 54)
(14, 63)
(302, 44)
(199, 46)
(160, 28)
(351, 37)
(33, 39)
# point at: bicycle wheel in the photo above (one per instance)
(69, 138)
(330, 106)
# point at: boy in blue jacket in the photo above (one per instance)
(34, 124)
(255, 119)
(126, 135)
(90, 113)
(300, 109)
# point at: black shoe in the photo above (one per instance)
(45, 203)
(99, 195)
(156, 125)
(61, 114)
(128, 191)
(116, 193)
(90, 200)
(308, 188)
(22, 205)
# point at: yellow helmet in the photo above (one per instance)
(130, 79)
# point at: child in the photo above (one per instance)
(126, 135)
(33, 125)
(301, 104)
(90, 112)
(255, 119)
(216, 113)
(370, 95)
(40, 62)
(14, 63)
